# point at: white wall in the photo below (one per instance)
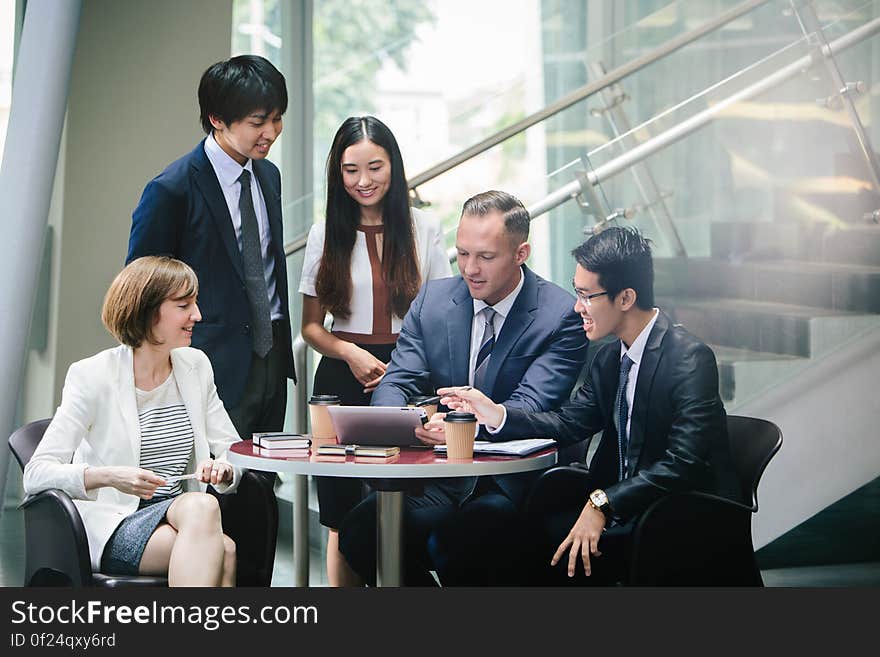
(830, 437)
(132, 110)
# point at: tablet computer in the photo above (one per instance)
(377, 425)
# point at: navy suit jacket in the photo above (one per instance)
(534, 364)
(678, 430)
(182, 213)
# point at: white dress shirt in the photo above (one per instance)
(635, 352)
(432, 259)
(228, 172)
(502, 309)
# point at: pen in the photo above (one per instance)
(176, 478)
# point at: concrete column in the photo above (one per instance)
(36, 119)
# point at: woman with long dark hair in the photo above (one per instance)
(364, 266)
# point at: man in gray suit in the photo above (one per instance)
(514, 336)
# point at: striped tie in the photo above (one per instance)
(486, 344)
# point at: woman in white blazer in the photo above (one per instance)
(132, 420)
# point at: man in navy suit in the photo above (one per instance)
(218, 209)
(501, 329)
(653, 392)
(195, 211)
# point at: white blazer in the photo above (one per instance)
(97, 424)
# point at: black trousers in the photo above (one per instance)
(264, 401)
(262, 408)
(555, 504)
(339, 495)
(470, 543)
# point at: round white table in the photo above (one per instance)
(388, 477)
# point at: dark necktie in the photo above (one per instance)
(254, 274)
(486, 344)
(622, 411)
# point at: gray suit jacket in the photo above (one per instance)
(534, 364)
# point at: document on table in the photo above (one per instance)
(508, 448)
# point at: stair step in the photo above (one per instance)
(796, 240)
(744, 372)
(768, 327)
(854, 244)
(763, 240)
(835, 286)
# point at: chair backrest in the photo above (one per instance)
(23, 442)
(753, 442)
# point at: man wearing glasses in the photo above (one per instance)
(654, 395)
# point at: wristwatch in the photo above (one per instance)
(599, 501)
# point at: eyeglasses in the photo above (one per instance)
(585, 298)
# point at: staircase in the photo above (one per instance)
(793, 314)
(772, 298)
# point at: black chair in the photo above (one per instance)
(691, 538)
(57, 550)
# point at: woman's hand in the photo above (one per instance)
(210, 471)
(124, 478)
(365, 367)
(471, 400)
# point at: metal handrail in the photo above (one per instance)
(607, 80)
(676, 43)
(650, 146)
(296, 245)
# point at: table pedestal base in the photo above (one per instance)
(389, 538)
(300, 530)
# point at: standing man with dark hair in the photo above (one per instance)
(504, 330)
(218, 209)
(654, 395)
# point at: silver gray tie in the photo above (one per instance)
(254, 273)
(482, 363)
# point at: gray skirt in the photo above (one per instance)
(123, 552)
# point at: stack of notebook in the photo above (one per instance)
(281, 444)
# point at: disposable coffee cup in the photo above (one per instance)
(460, 432)
(428, 402)
(322, 427)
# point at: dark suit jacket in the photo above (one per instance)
(534, 364)
(678, 430)
(182, 213)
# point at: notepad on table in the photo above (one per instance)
(357, 450)
(522, 447)
(281, 440)
(282, 452)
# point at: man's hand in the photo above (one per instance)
(214, 472)
(433, 432)
(583, 539)
(471, 400)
